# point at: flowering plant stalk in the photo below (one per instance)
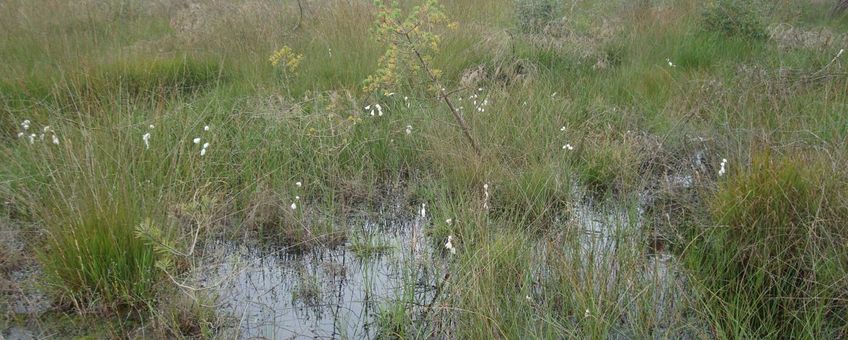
(288, 61)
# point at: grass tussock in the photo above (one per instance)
(163, 77)
(775, 260)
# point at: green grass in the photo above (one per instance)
(760, 248)
(769, 260)
(366, 246)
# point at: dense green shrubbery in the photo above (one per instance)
(734, 18)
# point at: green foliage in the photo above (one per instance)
(537, 194)
(98, 257)
(498, 285)
(393, 322)
(411, 45)
(606, 166)
(532, 16)
(365, 245)
(91, 88)
(158, 77)
(113, 213)
(90, 202)
(734, 18)
(186, 317)
(775, 249)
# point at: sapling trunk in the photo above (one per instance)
(444, 96)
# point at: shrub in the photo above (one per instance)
(534, 15)
(734, 18)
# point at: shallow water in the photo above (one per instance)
(334, 293)
(323, 292)
(607, 249)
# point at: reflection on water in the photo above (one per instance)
(323, 292)
(330, 292)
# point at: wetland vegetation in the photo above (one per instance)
(423, 169)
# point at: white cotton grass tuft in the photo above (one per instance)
(408, 129)
(670, 64)
(449, 245)
(568, 147)
(449, 221)
(374, 110)
(203, 149)
(486, 196)
(146, 139)
(298, 184)
(31, 137)
(423, 210)
(723, 169)
(206, 128)
(196, 140)
(480, 106)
